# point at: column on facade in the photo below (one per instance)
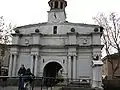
(97, 74)
(97, 77)
(36, 61)
(59, 4)
(69, 67)
(53, 4)
(14, 65)
(10, 66)
(31, 62)
(74, 67)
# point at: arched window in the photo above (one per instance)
(56, 4)
(55, 30)
(61, 5)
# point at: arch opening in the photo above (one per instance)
(52, 71)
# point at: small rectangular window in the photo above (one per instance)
(55, 30)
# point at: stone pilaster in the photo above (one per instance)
(31, 62)
(34, 60)
(53, 5)
(59, 4)
(97, 74)
(10, 66)
(14, 65)
(36, 65)
(69, 67)
(74, 67)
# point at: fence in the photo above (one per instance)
(43, 83)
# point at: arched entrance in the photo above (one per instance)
(51, 71)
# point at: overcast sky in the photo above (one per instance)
(23, 12)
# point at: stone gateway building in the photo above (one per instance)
(58, 45)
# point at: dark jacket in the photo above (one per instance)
(28, 76)
(22, 71)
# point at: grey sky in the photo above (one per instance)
(22, 12)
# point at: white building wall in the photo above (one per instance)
(84, 65)
(23, 59)
(61, 28)
(52, 40)
(24, 38)
(84, 40)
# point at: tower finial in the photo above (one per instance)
(57, 4)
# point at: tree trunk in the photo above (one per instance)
(113, 71)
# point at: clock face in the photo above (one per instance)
(55, 17)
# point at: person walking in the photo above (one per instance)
(22, 70)
(29, 77)
(21, 73)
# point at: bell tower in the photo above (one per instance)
(57, 11)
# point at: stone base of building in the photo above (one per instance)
(98, 88)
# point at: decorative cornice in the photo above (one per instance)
(57, 46)
(88, 34)
(53, 46)
(72, 45)
(56, 10)
(17, 34)
(58, 35)
(95, 33)
(31, 25)
(54, 35)
(40, 34)
(72, 33)
(14, 45)
(62, 23)
(91, 46)
(96, 46)
(81, 24)
(35, 45)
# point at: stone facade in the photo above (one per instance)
(71, 45)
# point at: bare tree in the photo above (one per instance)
(5, 38)
(111, 36)
(5, 31)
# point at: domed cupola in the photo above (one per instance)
(57, 4)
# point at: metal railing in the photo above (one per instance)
(43, 83)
